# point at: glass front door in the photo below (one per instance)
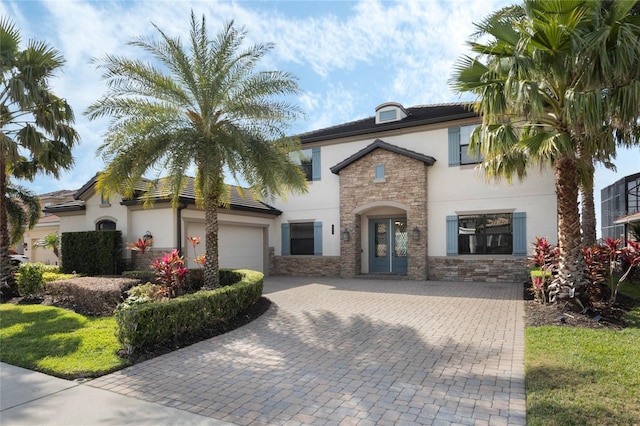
(388, 241)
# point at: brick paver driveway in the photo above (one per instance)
(353, 352)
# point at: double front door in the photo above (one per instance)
(388, 241)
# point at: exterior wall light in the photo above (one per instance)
(345, 235)
(147, 236)
(415, 234)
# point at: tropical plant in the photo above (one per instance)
(556, 85)
(203, 105)
(50, 241)
(141, 246)
(23, 210)
(170, 272)
(628, 259)
(35, 125)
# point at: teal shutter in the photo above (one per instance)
(315, 163)
(379, 172)
(520, 234)
(317, 238)
(454, 146)
(452, 235)
(286, 241)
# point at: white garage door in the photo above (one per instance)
(239, 246)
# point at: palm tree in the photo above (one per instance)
(23, 210)
(544, 101)
(203, 105)
(35, 125)
(51, 241)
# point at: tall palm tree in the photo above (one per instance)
(206, 106)
(543, 101)
(36, 133)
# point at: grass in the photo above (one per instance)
(579, 376)
(58, 342)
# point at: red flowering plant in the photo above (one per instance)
(627, 259)
(543, 261)
(170, 272)
(141, 245)
(194, 242)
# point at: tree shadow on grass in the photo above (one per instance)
(43, 335)
(557, 396)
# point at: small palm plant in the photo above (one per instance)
(50, 241)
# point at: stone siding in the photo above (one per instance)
(323, 266)
(405, 183)
(462, 268)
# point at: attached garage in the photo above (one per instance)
(239, 246)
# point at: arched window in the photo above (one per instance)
(106, 225)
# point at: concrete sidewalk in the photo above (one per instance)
(31, 398)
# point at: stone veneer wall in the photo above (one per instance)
(323, 266)
(462, 268)
(405, 183)
(142, 261)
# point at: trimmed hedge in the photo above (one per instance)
(166, 323)
(91, 252)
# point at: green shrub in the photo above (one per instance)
(143, 293)
(195, 278)
(96, 296)
(55, 276)
(147, 325)
(30, 279)
(92, 252)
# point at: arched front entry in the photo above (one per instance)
(388, 245)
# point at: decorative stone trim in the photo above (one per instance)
(323, 266)
(464, 268)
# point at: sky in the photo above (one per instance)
(348, 56)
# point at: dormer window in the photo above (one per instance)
(390, 111)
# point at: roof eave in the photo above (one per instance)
(387, 127)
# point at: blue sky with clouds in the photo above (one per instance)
(349, 56)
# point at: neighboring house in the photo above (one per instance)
(397, 193)
(243, 226)
(620, 207)
(48, 224)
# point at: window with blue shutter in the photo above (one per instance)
(286, 243)
(454, 146)
(520, 234)
(459, 139)
(315, 163)
(302, 238)
(452, 235)
(378, 172)
(317, 238)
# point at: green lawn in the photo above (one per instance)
(577, 376)
(58, 342)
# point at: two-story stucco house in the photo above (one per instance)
(397, 193)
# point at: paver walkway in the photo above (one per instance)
(353, 352)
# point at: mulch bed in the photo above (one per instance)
(600, 314)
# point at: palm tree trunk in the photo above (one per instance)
(211, 264)
(588, 216)
(569, 282)
(6, 273)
